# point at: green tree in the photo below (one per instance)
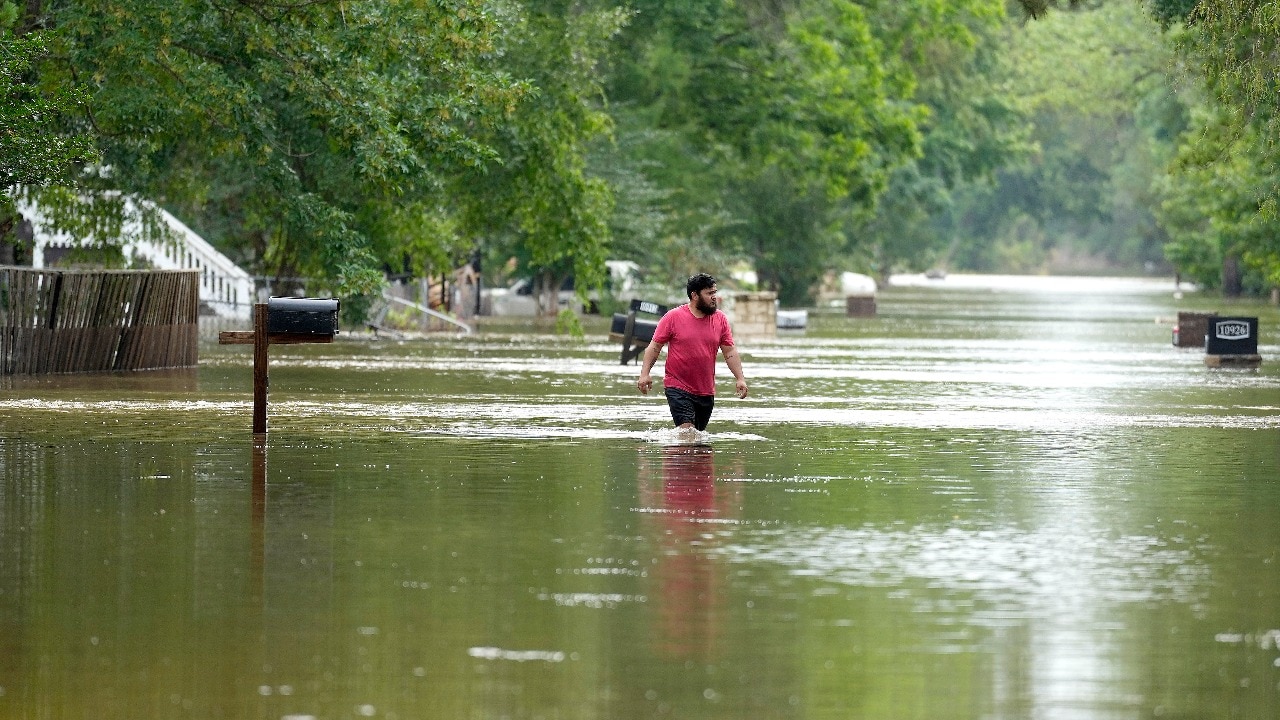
(1039, 8)
(540, 204)
(1096, 83)
(1171, 12)
(43, 138)
(1216, 194)
(762, 121)
(1221, 206)
(841, 120)
(973, 128)
(312, 138)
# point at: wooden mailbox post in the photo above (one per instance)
(281, 321)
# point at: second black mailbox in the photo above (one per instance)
(306, 316)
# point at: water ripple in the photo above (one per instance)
(1041, 572)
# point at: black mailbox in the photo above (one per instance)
(642, 330)
(304, 316)
(1231, 336)
(634, 332)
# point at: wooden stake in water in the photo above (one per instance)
(260, 344)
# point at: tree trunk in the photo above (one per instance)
(31, 17)
(8, 239)
(17, 238)
(543, 293)
(1232, 277)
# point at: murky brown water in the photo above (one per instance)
(1001, 498)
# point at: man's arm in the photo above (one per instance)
(651, 353)
(734, 361)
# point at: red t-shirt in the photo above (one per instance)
(692, 343)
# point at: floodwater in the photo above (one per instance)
(1001, 498)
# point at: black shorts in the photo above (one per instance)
(689, 408)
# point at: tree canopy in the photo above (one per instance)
(42, 140)
(1221, 190)
(340, 142)
(313, 134)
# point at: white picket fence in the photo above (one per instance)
(225, 288)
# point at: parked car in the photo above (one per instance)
(518, 298)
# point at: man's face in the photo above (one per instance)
(706, 300)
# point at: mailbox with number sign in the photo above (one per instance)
(1231, 336)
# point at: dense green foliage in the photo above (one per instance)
(1220, 193)
(537, 202)
(803, 136)
(318, 136)
(31, 150)
(973, 128)
(339, 142)
(1082, 201)
(41, 141)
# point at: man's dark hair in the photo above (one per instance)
(698, 283)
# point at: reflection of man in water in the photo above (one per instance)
(688, 596)
(695, 332)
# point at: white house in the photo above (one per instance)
(225, 288)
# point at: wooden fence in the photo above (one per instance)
(66, 321)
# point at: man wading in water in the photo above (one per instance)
(695, 331)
